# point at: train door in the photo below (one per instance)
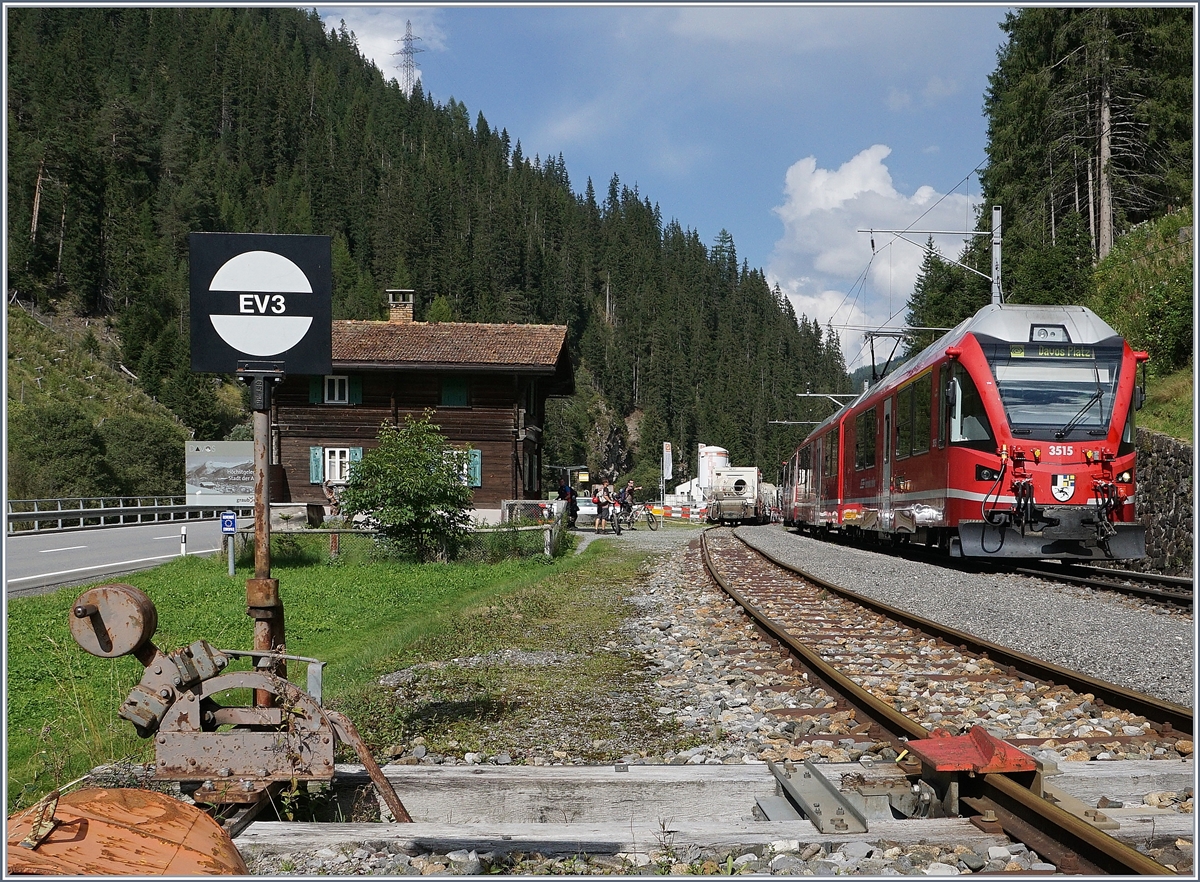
(818, 481)
(885, 484)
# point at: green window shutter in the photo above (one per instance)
(314, 390)
(454, 392)
(355, 456)
(316, 463)
(356, 391)
(475, 468)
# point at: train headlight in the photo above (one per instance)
(983, 473)
(1125, 477)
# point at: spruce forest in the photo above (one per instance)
(131, 128)
(1089, 155)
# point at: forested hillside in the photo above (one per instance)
(130, 128)
(1089, 156)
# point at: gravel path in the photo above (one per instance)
(1135, 645)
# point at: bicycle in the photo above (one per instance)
(630, 516)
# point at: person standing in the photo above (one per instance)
(567, 492)
(604, 502)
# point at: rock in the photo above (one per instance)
(937, 868)
(972, 861)
(787, 865)
(1161, 798)
(811, 851)
(856, 850)
(998, 853)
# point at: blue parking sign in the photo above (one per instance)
(228, 522)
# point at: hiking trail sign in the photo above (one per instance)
(261, 302)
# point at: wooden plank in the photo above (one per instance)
(572, 794)
(629, 836)
(1123, 780)
(1156, 827)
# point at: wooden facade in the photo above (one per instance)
(486, 385)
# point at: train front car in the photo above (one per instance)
(1040, 403)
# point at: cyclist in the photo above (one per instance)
(625, 498)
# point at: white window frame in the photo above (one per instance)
(337, 465)
(339, 385)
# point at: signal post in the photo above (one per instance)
(261, 305)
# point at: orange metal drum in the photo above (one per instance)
(118, 832)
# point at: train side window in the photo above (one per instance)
(1128, 435)
(941, 407)
(864, 440)
(831, 456)
(922, 391)
(904, 422)
(969, 424)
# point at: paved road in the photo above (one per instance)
(36, 562)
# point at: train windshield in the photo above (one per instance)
(1057, 392)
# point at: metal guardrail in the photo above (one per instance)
(79, 513)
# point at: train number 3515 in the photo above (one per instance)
(1062, 449)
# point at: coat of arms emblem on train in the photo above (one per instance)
(1062, 486)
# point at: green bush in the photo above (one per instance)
(411, 487)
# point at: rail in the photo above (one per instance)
(78, 513)
(1023, 814)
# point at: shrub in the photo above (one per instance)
(411, 488)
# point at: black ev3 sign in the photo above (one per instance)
(261, 299)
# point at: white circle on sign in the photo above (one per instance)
(262, 272)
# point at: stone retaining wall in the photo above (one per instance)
(1164, 503)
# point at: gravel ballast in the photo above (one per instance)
(1136, 645)
(711, 675)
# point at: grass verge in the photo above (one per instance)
(363, 616)
(1170, 405)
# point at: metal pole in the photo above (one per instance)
(997, 297)
(231, 537)
(262, 494)
(262, 592)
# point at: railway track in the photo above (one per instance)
(1173, 590)
(907, 676)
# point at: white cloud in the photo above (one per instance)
(830, 269)
(898, 99)
(378, 30)
(937, 89)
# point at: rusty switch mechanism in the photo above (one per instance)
(231, 754)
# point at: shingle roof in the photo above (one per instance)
(398, 344)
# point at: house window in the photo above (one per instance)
(454, 392)
(332, 463)
(337, 464)
(337, 390)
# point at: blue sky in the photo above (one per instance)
(792, 127)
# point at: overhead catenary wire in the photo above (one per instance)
(859, 284)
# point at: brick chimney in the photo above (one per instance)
(400, 305)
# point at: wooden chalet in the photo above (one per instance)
(487, 385)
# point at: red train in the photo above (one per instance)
(1011, 436)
